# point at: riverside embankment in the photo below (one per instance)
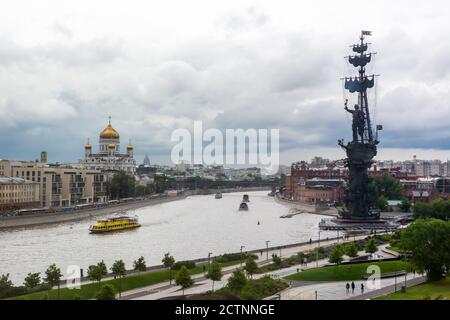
(61, 217)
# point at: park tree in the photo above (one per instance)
(336, 255)
(214, 272)
(106, 292)
(143, 190)
(103, 268)
(250, 266)
(405, 206)
(428, 242)
(422, 210)
(370, 246)
(5, 283)
(237, 281)
(161, 183)
(121, 185)
(139, 264)
(118, 269)
(95, 273)
(387, 186)
(168, 262)
(351, 250)
(53, 277)
(183, 278)
(381, 203)
(276, 260)
(441, 209)
(32, 280)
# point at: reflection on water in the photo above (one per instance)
(188, 229)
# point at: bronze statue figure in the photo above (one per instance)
(357, 123)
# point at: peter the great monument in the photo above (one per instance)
(357, 211)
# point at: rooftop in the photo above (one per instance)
(8, 180)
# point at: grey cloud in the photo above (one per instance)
(253, 77)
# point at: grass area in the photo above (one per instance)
(430, 290)
(254, 289)
(393, 248)
(347, 271)
(88, 291)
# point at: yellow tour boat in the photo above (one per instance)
(114, 224)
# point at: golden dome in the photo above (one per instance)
(111, 146)
(130, 146)
(109, 132)
(88, 145)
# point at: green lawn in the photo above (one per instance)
(346, 272)
(393, 248)
(422, 291)
(88, 291)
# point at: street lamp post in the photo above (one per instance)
(267, 249)
(405, 280)
(317, 252)
(209, 258)
(242, 247)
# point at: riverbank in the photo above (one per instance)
(15, 222)
(307, 208)
(138, 284)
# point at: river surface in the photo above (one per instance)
(188, 229)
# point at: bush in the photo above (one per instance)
(221, 294)
(227, 257)
(107, 292)
(21, 290)
(237, 281)
(187, 264)
(261, 288)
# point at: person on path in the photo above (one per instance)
(353, 287)
(347, 287)
(362, 288)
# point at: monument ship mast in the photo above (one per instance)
(362, 149)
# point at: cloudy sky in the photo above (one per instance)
(155, 66)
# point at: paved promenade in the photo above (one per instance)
(164, 290)
(412, 280)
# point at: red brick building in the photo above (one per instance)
(309, 185)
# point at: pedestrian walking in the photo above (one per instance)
(347, 287)
(353, 287)
(310, 241)
(362, 288)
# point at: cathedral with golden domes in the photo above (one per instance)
(109, 157)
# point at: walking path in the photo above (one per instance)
(337, 290)
(415, 280)
(164, 290)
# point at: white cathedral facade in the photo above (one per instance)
(109, 157)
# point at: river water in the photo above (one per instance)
(188, 229)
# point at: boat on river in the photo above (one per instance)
(114, 224)
(243, 206)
